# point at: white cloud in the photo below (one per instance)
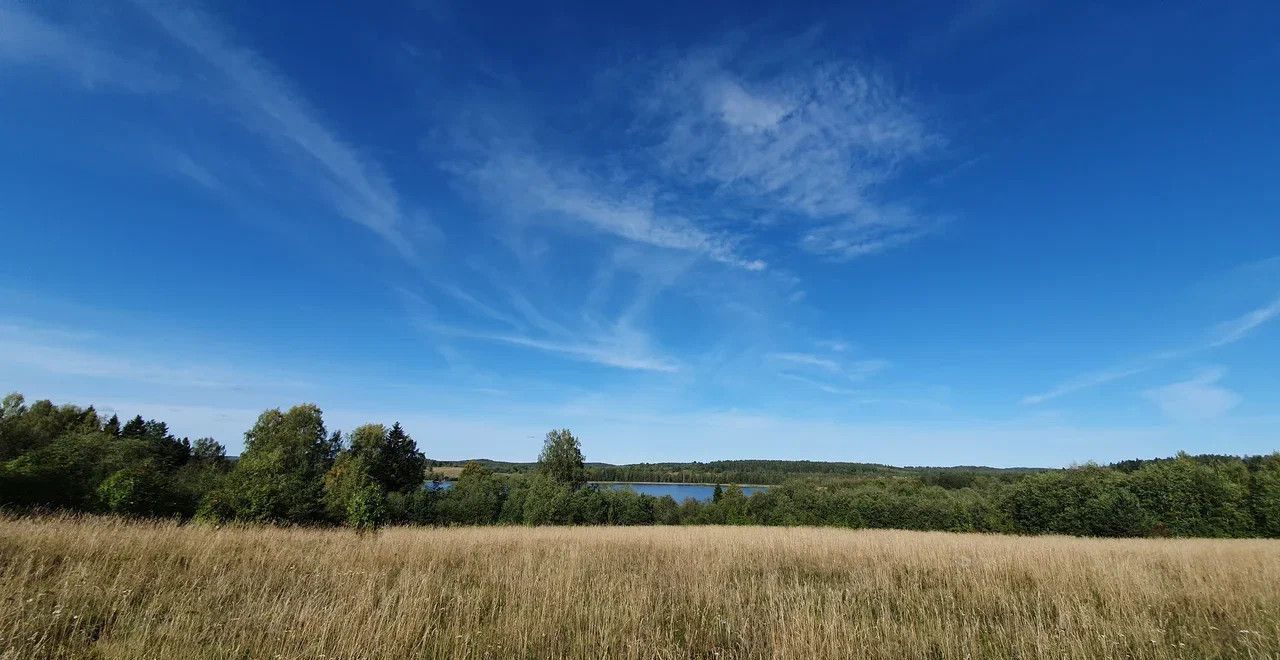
(713, 150)
(68, 352)
(740, 109)
(182, 164)
(623, 350)
(809, 360)
(1084, 382)
(1224, 334)
(1238, 328)
(868, 231)
(1197, 399)
(614, 344)
(26, 38)
(355, 186)
(529, 186)
(853, 370)
(810, 143)
(612, 355)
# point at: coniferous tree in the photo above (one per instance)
(112, 427)
(404, 466)
(134, 428)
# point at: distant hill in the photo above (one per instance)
(762, 471)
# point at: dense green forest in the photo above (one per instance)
(762, 472)
(294, 471)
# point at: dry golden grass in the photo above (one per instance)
(106, 588)
(445, 472)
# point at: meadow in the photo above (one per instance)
(101, 587)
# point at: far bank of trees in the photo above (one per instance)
(293, 470)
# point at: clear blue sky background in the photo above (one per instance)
(998, 232)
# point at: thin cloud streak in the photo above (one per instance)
(605, 352)
(531, 187)
(1238, 328)
(356, 186)
(1084, 382)
(48, 354)
(810, 360)
(617, 344)
(26, 38)
(1226, 333)
(854, 370)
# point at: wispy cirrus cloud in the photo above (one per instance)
(226, 74)
(712, 148)
(29, 39)
(829, 373)
(868, 231)
(618, 344)
(1198, 398)
(852, 369)
(1085, 382)
(530, 188)
(809, 360)
(622, 351)
(1225, 333)
(357, 186)
(70, 352)
(1240, 327)
(810, 144)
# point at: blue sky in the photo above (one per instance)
(994, 233)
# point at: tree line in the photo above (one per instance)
(762, 472)
(294, 471)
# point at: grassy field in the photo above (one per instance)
(105, 588)
(445, 472)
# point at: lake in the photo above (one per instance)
(679, 492)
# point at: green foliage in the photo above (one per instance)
(666, 511)
(26, 428)
(13, 405)
(561, 459)
(367, 508)
(387, 461)
(476, 498)
(349, 474)
(1086, 501)
(778, 472)
(62, 473)
(733, 505)
(156, 434)
(546, 501)
(402, 467)
(626, 507)
(1192, 498)
(139, 490)
(209, 451)
(280, 475)
(293, 471)
(392, 457)
(1264, 497)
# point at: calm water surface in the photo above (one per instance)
(680, 492)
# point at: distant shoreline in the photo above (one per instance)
(681, 483)
(653, 483)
